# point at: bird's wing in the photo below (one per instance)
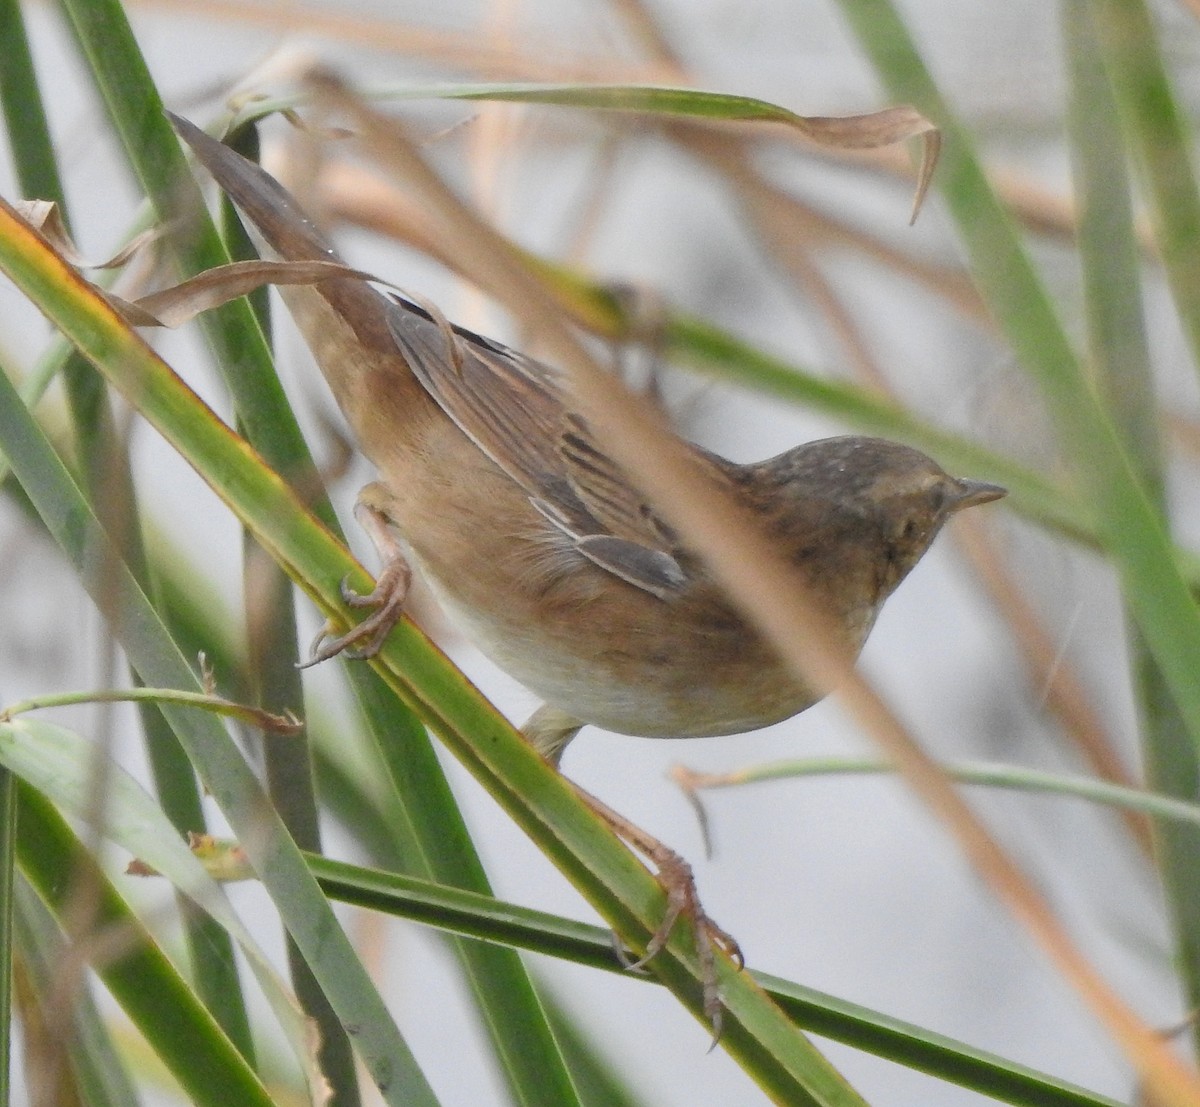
(514, 409)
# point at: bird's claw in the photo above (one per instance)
(678, 882)
(365, 640)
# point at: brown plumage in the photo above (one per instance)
(549, 557)
(541, 547)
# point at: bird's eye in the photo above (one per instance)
(909, 531)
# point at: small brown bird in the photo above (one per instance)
(546, 553)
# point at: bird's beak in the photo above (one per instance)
(974, 492)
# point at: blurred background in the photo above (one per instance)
(842, 883)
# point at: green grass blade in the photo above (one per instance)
(274, 681)
(98, 447)
(24, 112)
(1166, 808)
(1119, 352)
(181, 1030)
(425, 819)
(492, 920)
(277, 861)
(600, 1082)
(436, 838)
(651, 100)
(1161, 136)
(718, 353)
(97, 1067)
(1117, 342)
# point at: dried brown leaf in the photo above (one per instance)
(881, 128)
(46, 218)
(181, 303)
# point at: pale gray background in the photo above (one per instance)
(845, 885)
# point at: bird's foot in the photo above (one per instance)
(678, 881)
(683, 901)
(386, 599)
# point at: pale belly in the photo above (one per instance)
(614, 672)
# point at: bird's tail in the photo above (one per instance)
(344, 319)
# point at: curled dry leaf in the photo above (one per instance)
(181, 303)
(880, 128)
(45, 217)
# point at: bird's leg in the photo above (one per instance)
(549, 731)
(386, 598)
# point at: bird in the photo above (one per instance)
(547, 555)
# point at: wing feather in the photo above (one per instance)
(514, 409)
